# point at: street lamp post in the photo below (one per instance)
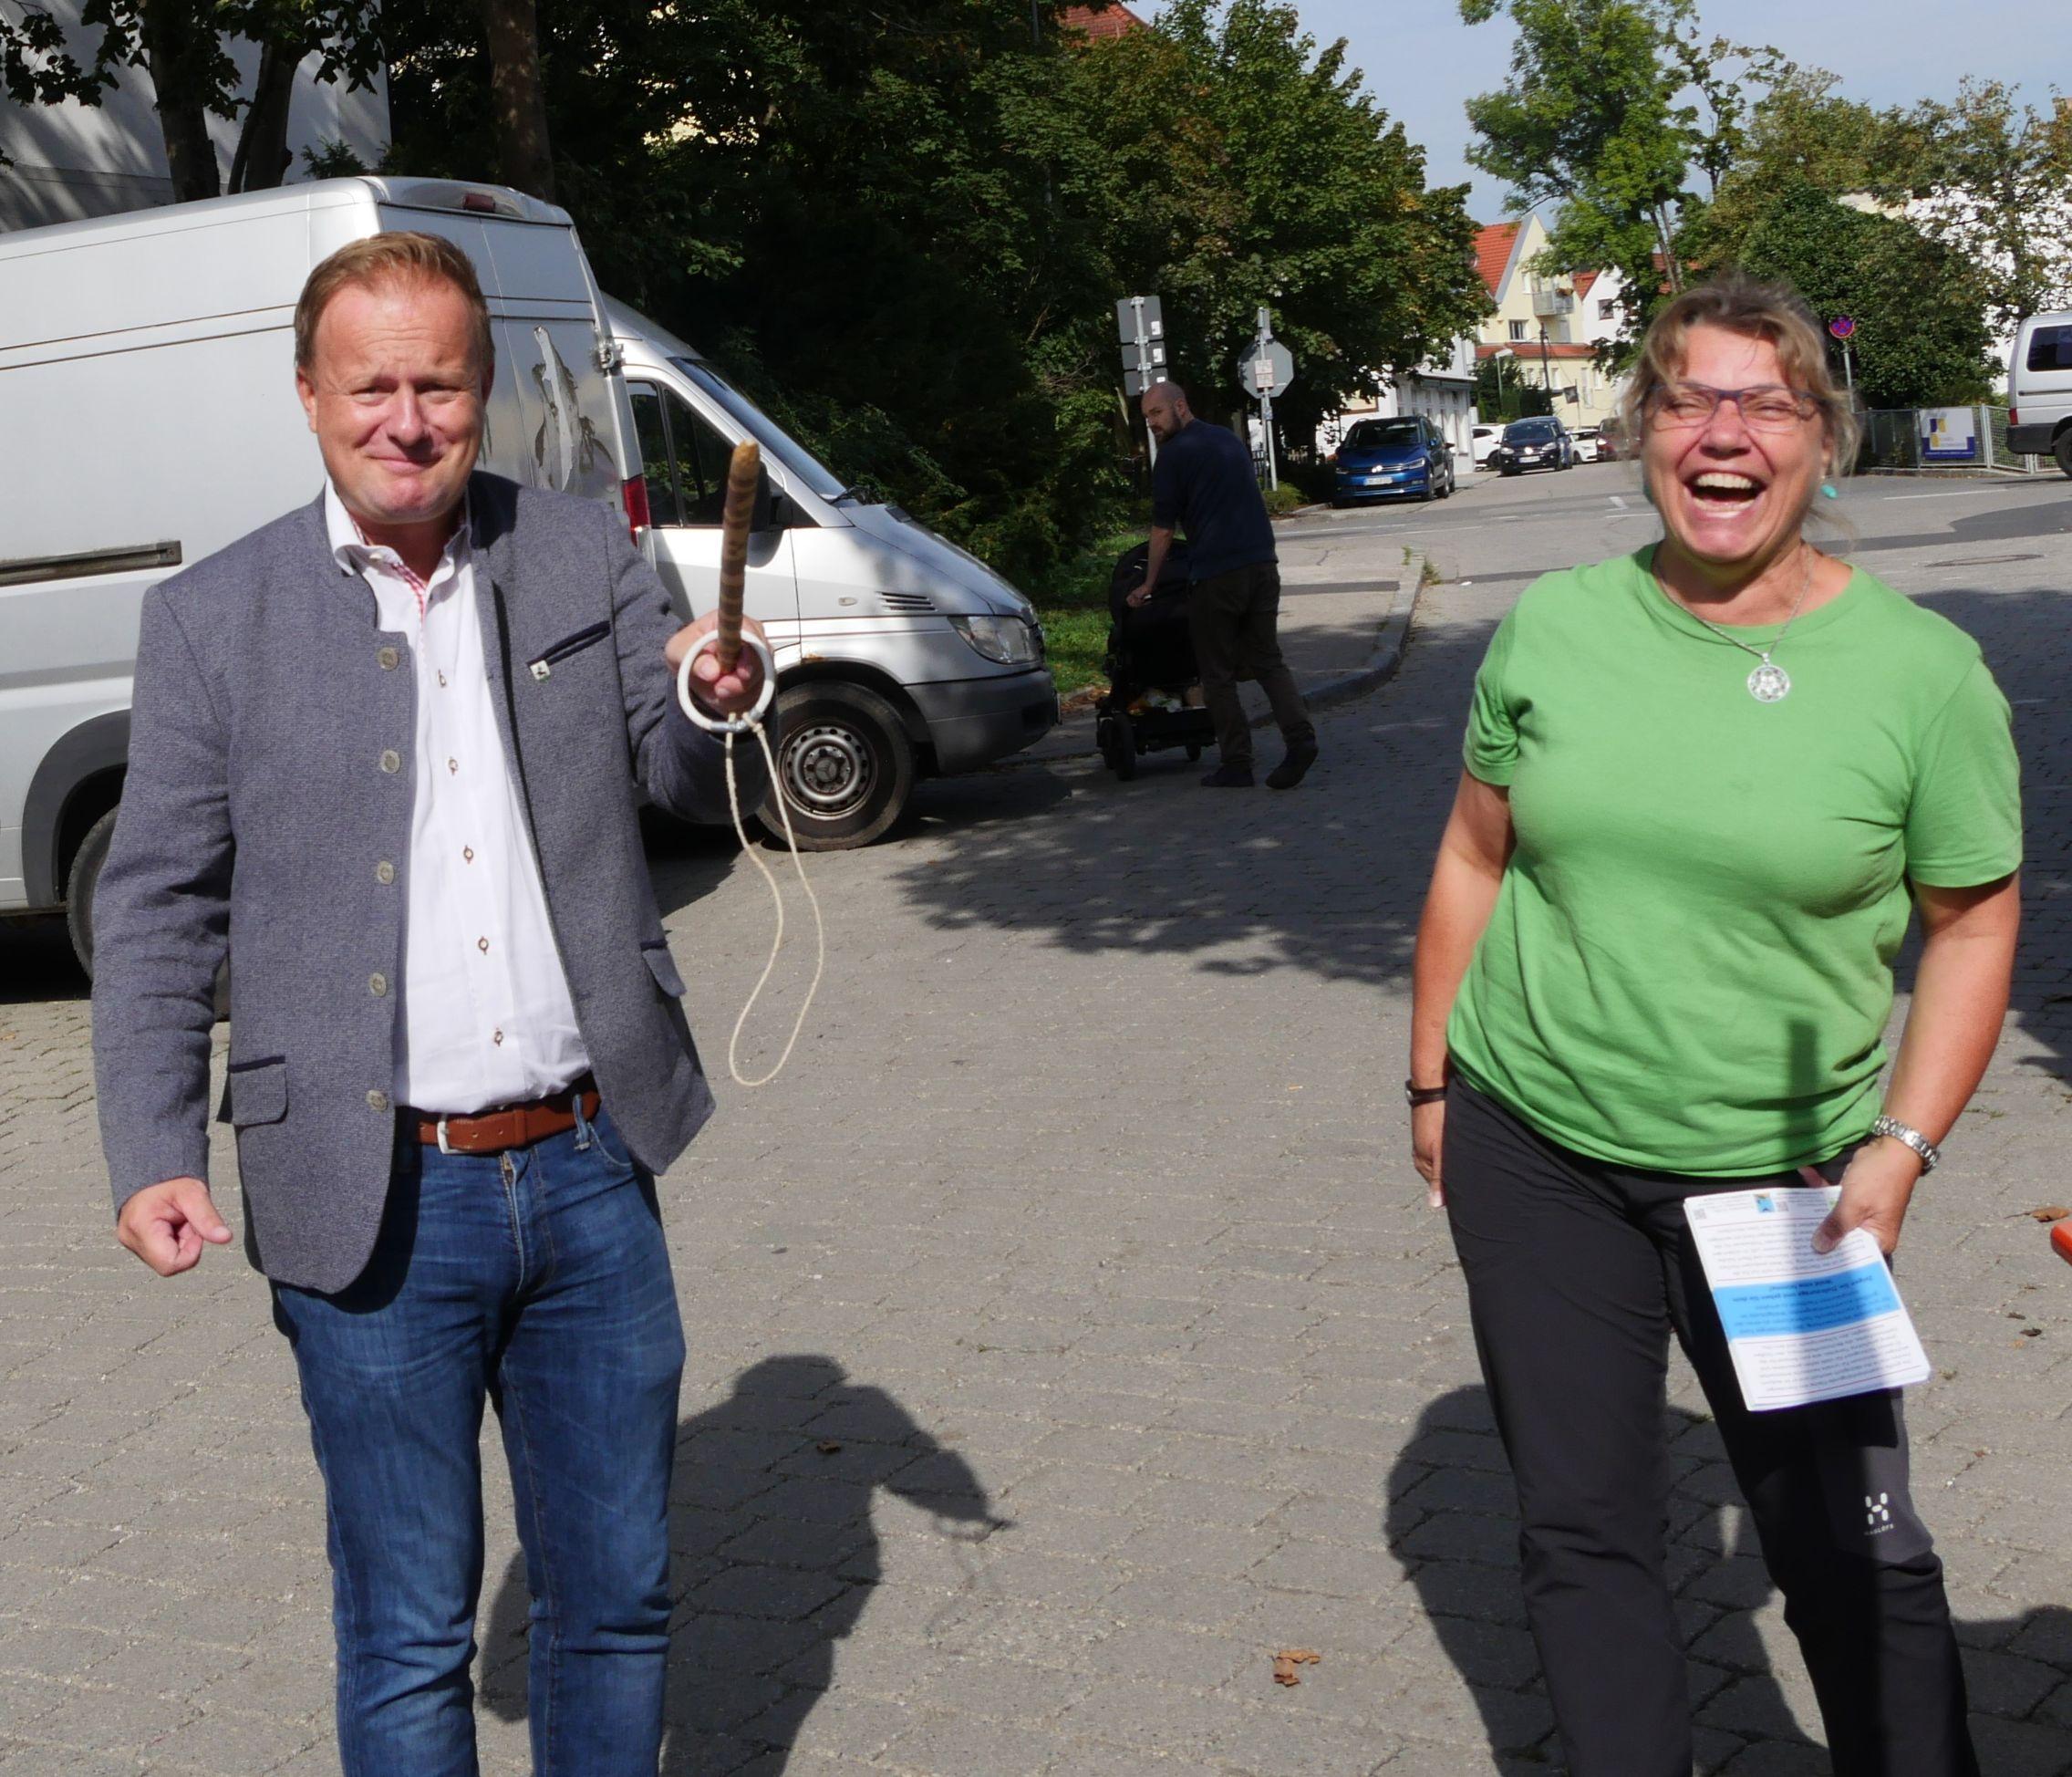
(1546, 369)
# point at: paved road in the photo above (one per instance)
(1067, 1335)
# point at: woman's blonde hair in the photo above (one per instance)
(1740, 304)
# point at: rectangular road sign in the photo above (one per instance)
(1127, 320)
(1153, 352)
(1133, 380)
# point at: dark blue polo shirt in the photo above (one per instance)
(1204, 486)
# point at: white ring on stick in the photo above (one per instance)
(742, 725)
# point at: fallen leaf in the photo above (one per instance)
(2049, 1212)
(828, 1447)
(1288, 1659)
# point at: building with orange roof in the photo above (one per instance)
(1113, 20)
(1545, 331)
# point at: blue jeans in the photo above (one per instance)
(536, 1279)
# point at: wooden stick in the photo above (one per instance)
(739, 514)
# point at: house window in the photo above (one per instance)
(1517, 330)
(1607, 308)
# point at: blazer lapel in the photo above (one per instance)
(500, 594)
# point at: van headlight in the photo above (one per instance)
(1008, 640)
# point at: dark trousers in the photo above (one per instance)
(537, 1280)
(1232, 619)
(1577, 1273)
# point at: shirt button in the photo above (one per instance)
(483, 944)
(377, 1101)
(387, 657)
(391, 760)
(452, 765)
(385, 872)
(377, 985)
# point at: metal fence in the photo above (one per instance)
(1950, 440)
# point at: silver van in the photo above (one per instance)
(2039, 389)
(899, 654)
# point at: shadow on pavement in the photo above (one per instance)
(1453, 1524)
(36, 962)
(775, 1555)
(2024, 635)
(1246, 881)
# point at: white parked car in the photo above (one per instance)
(2039, 389)
(1482, 441)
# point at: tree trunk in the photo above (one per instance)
(526, 161)
(262, 158)
(179, 44)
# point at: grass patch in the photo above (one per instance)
(1071, 601)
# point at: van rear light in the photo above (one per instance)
(2013, 417)
(634, 491)
(479, 201)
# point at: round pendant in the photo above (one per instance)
(1769, 684)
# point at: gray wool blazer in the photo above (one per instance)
(267, 815)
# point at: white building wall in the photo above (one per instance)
(72, 160)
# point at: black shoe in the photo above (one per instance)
(1229, 777)
(1290, 772)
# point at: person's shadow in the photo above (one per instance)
(1452, 1524)
(775, 1555)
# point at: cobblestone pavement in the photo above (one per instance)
(1067, 1333)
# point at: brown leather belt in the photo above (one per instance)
(510, 1126)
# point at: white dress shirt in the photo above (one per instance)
(484, 1016)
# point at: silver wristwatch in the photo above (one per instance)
(1912, 1138)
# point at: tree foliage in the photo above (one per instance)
(904, 227)
(1921, 333)
(185, 45)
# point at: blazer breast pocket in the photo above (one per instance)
(541, 665)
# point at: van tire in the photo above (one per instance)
(2061, 448)
(80, 881)
(843, 757)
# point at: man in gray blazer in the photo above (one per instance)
(384, 750)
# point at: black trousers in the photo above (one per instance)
(1577, 1273)
(1234, 619)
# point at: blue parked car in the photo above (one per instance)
(1383, 458)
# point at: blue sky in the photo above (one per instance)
(1422, 63)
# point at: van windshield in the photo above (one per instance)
(796, 458)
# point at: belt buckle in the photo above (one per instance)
(444, 1147)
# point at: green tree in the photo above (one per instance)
(184, 45)
(1257, 169)
(1921, 333)
(1801, 133)
(1993, 181)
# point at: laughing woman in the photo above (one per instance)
(1703, 784)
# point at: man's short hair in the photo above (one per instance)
(1171, 388)
(399, 257)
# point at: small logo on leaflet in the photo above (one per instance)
(1878, 1513)
(1767, 1205)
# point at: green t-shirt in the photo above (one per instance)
(1689, 964)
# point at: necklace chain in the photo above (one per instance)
(1768, 683)
(1762, 654)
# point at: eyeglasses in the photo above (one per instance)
(1765, 407)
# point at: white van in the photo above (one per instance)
(2039, 390)
(898, 653)
(148, 417)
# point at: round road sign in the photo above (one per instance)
(1841, 326)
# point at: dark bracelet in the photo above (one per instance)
(1422, 1094)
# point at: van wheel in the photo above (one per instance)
(2061, 448)
(844, 766)
(80, 881)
